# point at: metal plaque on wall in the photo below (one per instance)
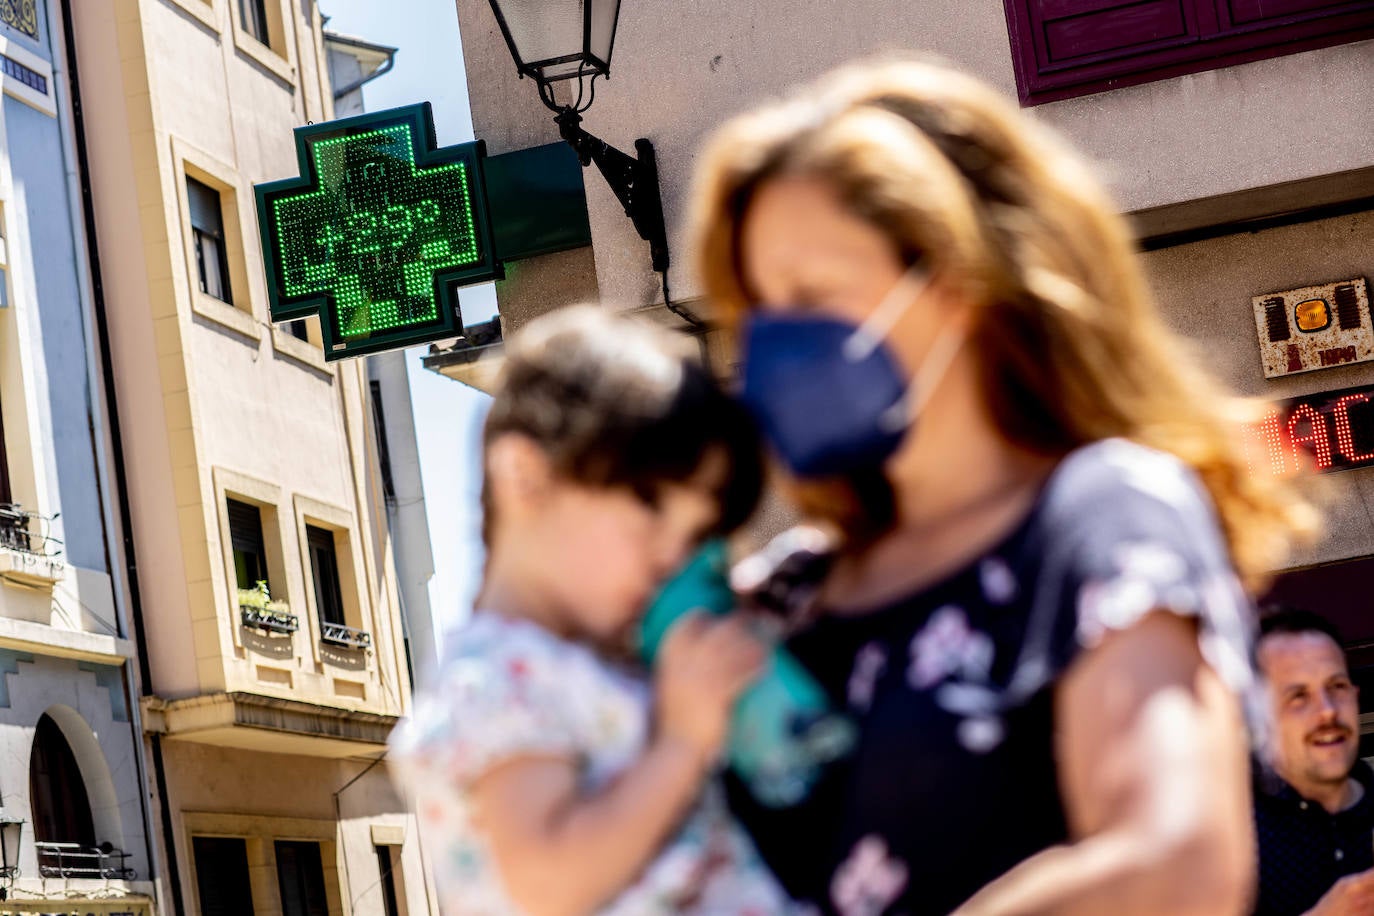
(1315, 327)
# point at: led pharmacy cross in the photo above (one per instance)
(377, 232)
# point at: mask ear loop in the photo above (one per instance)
(881, 320)
(938, 358)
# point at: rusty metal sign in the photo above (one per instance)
(1315, 327)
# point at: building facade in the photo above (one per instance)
(354, 62)
(74, 824)
(267, 588)
(1229, 130)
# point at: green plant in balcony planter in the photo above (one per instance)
(258, 602)
(257, 598)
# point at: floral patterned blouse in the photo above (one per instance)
(508, 688)
(953, 781)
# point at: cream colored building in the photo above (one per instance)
(250, 459)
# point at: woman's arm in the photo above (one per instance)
(1152, 765)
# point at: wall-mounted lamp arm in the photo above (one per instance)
(633, 180)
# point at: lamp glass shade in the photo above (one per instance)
(11, 829)
(605, 14)
(558, 39)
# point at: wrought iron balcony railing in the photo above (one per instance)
(339, 635)
(72, 860)
(14, 528)
(259, 611)
(272, 620)
(28, 551)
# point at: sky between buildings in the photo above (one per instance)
(429, 67)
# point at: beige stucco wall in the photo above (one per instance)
(680, 68)
(298, 798)
(1204, 290)
(1179, 153)
(246, 409)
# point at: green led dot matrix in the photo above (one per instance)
(377, 233)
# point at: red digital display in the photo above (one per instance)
(1329, 431)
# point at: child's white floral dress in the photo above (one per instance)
(508, 688)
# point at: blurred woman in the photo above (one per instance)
(1037, 617)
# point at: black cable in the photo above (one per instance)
(697, 327)
(681, 311)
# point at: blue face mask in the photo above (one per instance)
(829, 395)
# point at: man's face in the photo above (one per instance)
(1316, 710)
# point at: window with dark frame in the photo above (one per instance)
(324, 568)
(222, 876)
(253, 19)
(207, 230)
(250, 550)
(1067, 48)
(386, 867)
(300, 878)
(61, 807)
(383, 450)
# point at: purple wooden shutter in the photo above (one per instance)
(1066, 48)
(1248, 11)
(1077, 29)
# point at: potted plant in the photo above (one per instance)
(258, 610)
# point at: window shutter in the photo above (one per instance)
(245, 527)
(1075, 30)
(1066, 48)
(206, 214)
(222, 876)
(300, 877)
(324, 565)
(1252, 11)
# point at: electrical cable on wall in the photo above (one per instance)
(698, 328)
(680, 311)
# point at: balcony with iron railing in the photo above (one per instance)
(336, 634)
(29, 553)
(258, 611)
(72, 860)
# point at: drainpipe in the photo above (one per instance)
(109, 451)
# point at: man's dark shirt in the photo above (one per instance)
(1303, 850)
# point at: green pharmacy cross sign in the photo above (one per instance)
(378, 232)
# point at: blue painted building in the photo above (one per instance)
(71, 762)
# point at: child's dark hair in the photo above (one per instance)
(613, 403)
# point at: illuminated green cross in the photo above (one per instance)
(376, 232)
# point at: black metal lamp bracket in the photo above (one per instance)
(634, 181)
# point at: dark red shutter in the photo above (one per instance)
(1248, 11)
(1065, 48)
(1074, 30)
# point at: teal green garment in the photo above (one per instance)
(783, 728)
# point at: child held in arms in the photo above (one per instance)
(549, 776)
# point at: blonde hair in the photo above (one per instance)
(1071, 348)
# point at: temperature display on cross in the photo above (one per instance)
(377, 232)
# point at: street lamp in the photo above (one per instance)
(556, 40)
(11, 828)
